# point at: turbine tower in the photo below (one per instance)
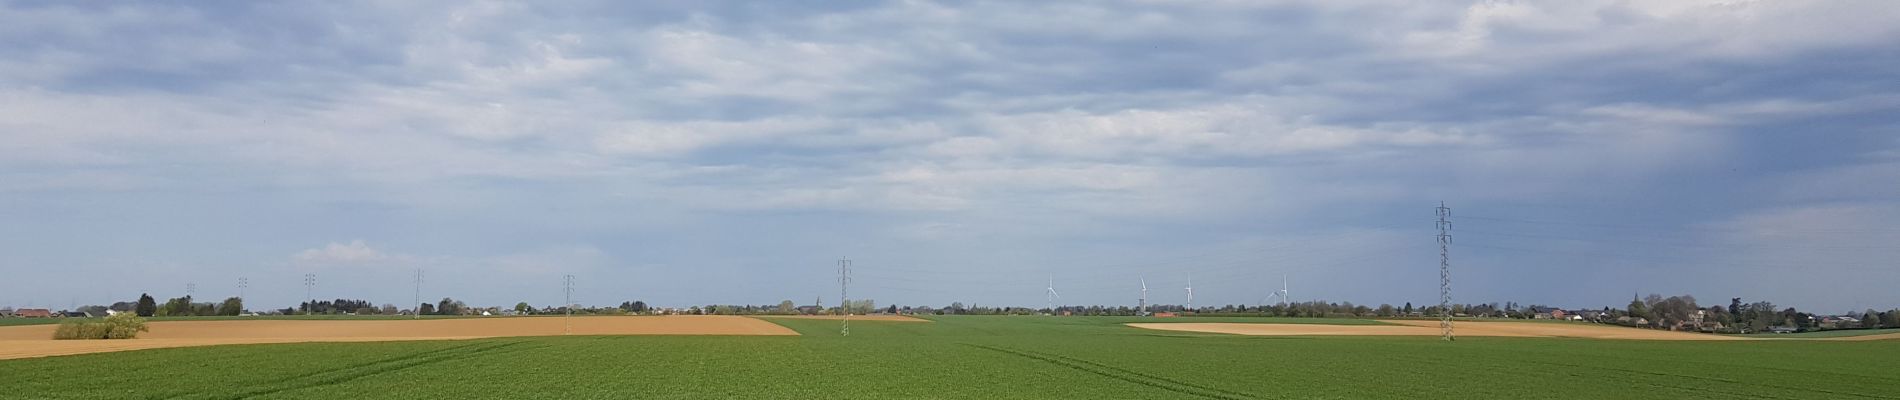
(1190, 292)
(1142, 307)
(1283, 290)
(1052, 294)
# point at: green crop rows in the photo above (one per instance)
(1019, 357)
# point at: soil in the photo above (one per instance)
(36, 340)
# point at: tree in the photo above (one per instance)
(176, 307)
(231, 306)
(1408, 308)
(450, 306)
(1870, 319)
(523, 307)
(425, 309)
(786, 307)
(1638, 309)
(390, 309)
(147, 306)
(638, 307)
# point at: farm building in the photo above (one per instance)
(1540, 312)
(34, 313)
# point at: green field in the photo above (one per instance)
(1022, 357)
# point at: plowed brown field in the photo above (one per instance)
(36, 340)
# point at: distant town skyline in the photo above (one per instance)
(692, 154)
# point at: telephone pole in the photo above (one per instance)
(1444, 270)
(844, 295)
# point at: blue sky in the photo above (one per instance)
(684, 153)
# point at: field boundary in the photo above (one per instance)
(33, 341)
(1430, 328)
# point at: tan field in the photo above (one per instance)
(1430, 328)
(889, 318)
(36, 340)
(1883, 336)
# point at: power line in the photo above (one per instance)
(1679, 260)
(1674, 243)
(1113, 282)
(1669, 228)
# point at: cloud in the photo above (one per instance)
(353, 253)
(529, 136)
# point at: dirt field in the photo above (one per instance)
(1430, 328)
(36, 340)
(890, 318)
(1884, 336)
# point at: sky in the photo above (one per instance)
(685, 153)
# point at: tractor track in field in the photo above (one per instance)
(364, 370)
(1122, 374)
(1711, 378)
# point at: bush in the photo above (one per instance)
(119, 326)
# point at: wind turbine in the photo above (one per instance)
(1052, 294)
(1142, 309)
(1190, 291)
(1283, 290)
(1281, 294)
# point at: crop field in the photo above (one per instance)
(970, 357)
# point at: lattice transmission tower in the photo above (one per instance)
(1444, 270)
(844, 295)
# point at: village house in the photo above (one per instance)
(1540, 312)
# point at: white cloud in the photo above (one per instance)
(353, 253)
(955, 121)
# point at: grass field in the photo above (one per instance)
(977, 357)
